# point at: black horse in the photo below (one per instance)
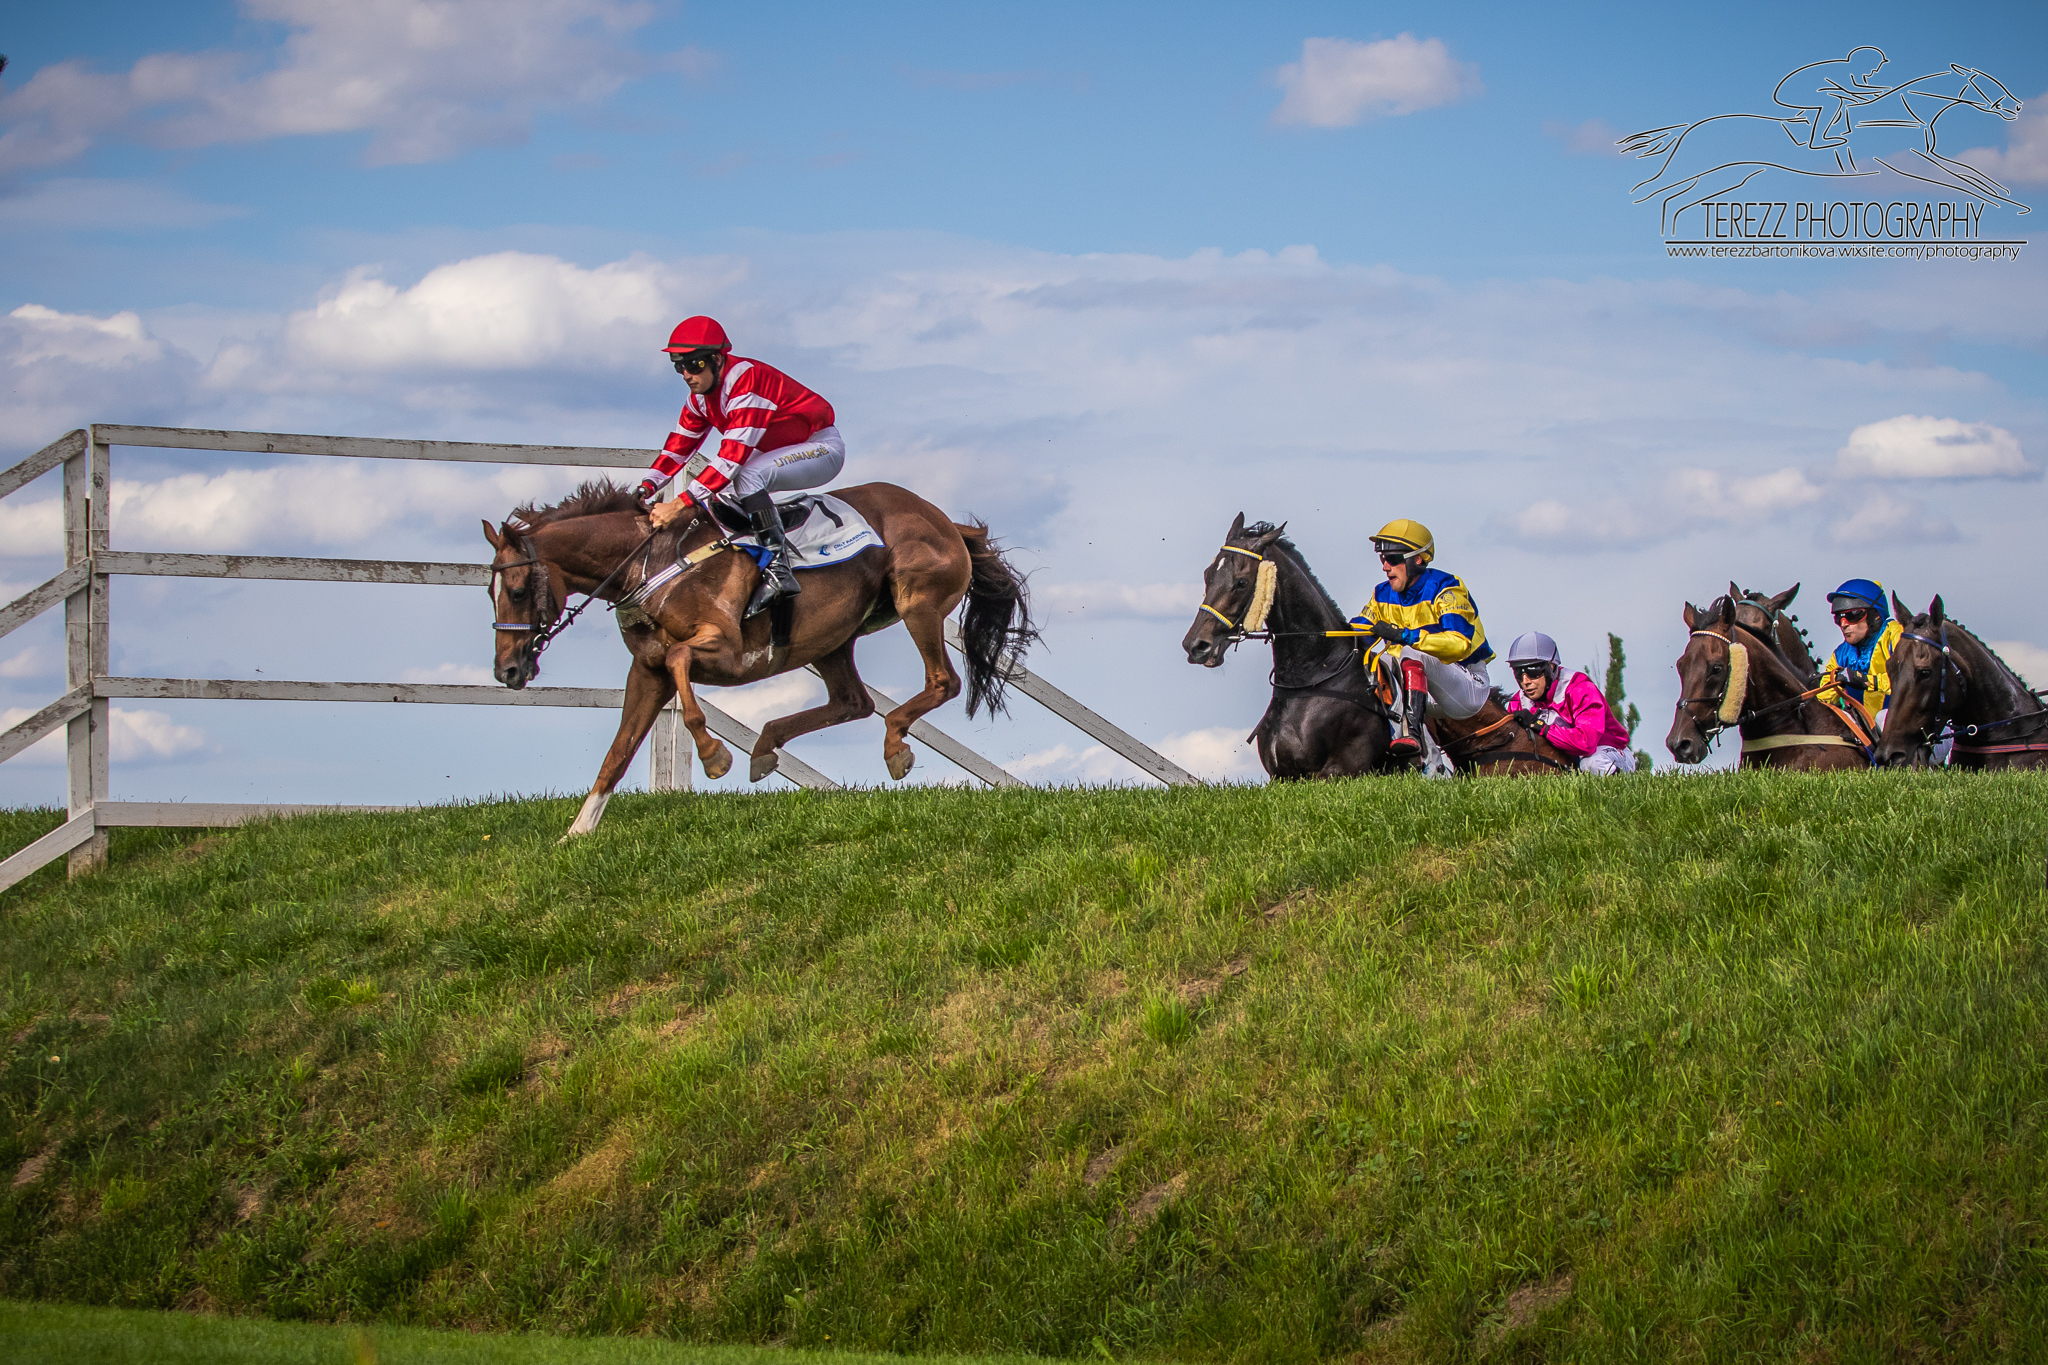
(1326, 718)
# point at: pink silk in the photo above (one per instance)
(1584, 720)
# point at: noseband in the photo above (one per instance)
(543, 599)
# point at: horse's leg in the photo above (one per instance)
(927, 626)
(647, 691)
(711, 750)
(846, 698)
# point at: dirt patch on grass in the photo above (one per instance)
(1199, 991)
(598, 1171)
(1101, 1164)
(32, 1170)
(1142, 1214)
(680, 1027)
(1527, 1303)
(621, 1001)
(984, 1017)
(1286, 906)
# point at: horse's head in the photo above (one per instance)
(1708, 685)
(1228, 587)
(1927, 686)
(523, 600)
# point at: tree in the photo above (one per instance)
(1617, 659)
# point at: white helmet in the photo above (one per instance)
(1533, 647)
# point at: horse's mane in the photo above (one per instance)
(1261, 528)
(593, 498)
(1500, 697)
(2013, 674)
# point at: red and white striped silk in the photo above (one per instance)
(755, 407)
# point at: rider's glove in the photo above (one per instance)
(1528, 720)
(1855, 677)
(649, 490)
(1393, 634)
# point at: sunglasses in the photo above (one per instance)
(1386, 558)
(1853, 616)
(1531, 670)
(693, 364)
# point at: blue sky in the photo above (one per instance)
(1103, 275)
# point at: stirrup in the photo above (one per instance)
(1405, 746)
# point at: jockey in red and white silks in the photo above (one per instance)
(775, 436)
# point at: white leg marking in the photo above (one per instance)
(592, 812)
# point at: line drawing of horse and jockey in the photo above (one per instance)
(1836, 107)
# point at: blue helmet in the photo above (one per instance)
(1861, 592)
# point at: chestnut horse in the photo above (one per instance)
(1490, 743)
(688, 630)
(1781, 723)
(1941, 675)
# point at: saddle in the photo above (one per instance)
(822, 530)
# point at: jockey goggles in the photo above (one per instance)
(1539, 669)
(1854, 615)
(695, 362)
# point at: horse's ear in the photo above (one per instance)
(1934, 612)
(1734, 592)
(1691, 616)
(1900, 611)
(1727, 611)
(1263, 542)
(1236, 528)
(491, 534)
(1784, 599)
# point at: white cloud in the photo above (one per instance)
(326, 503)
(1594, 137)
(1882, 518)
(1217, 754)
(1605, 524)
(2024, 158)
(1338, 82)
(425, 78)
(1910, 447)
(1063, 764)
(135, 736)
(1150, 601)
(506, 311)
(33, 662)
(81, 338)
(1713, 493)
(2029, 661)
(1691, 500)
(757, 703)
(450, 673)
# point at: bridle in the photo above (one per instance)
(558, 620)
(1710, 730)
(1245, 627)
(1945, 715)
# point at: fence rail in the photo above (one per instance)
(81, 586)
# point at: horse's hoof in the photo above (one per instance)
(899, 762)
(763, 765)
(719, 763)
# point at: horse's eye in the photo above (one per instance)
(1242, 582)
(1923, 674)
(517, 594)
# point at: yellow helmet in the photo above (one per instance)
(1408, 537)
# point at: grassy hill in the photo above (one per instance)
(1644, 1068)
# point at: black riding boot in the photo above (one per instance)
(777, 579)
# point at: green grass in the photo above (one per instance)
(47, 1334)
(1748, 1066)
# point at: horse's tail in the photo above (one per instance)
(1653, 141)
(997, 628)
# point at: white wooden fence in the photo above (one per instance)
(86, 457)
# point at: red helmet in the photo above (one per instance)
(698, 334)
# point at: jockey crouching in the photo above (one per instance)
(1861, 666)
(1432, 617)
(775, 436)
(1572, 715)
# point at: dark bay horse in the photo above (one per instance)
(1766, 615)
(598, 541)
(1491, 744)
(1781, 724)
(1326, 717)
(1943, 674)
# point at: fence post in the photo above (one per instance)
(664, 772)
(85, 642)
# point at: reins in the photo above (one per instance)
(1942, 712)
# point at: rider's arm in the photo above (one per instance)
(1581, 717)
(1455, 633)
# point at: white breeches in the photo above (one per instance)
(1606, 761)
(806, 464)
(1455, 690)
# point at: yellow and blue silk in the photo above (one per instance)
(1435, 615)
(1874, 657)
